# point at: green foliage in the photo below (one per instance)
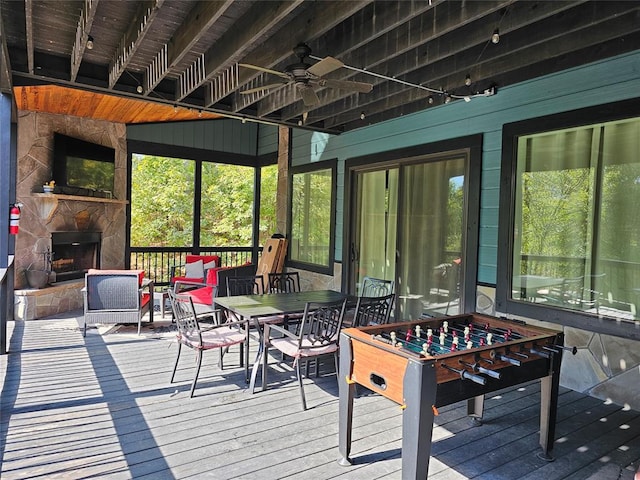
(311, 216)
(162, 203)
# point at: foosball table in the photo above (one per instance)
(426, 364)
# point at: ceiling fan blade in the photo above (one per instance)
(324, 66)
(309, 96)
(259, 89)
(266, 70)
(361, 87)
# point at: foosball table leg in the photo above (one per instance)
(549, 390)
(475, 408)
(419, 390)
(347, 391)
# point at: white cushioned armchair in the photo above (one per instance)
(116, 296)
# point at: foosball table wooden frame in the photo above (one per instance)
(420, 381)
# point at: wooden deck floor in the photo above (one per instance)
(102, 407)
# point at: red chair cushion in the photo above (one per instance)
(113, 272)
(212, 276)
(202, 295)
(146, 298)
(205, 259)
(194, 258)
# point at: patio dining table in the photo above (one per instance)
(253, 307)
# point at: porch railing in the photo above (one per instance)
(158, 261)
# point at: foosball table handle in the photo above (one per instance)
(466, 375)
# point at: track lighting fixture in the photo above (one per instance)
(467, 80)
(90, 42)
(139, 89)
(362, 115)
(495, 38)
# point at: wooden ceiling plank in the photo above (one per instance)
(450, 44)
(406, 36)
(82, 35)
(407, 48)
(203, 15)
(248, 31)
(140, 25)
(567, 40)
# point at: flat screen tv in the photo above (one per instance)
(82, 168)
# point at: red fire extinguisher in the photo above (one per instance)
(14, 218)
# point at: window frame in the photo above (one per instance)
(510, 134)
(331, 165)
(198, 156)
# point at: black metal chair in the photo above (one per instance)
(285, 282)
(192, 335)
(318, 335)
(373, 310)
(245, 285)
(376, 287)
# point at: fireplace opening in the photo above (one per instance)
(73, 253)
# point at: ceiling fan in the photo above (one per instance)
(306, 77)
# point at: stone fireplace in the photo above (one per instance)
(66, 234)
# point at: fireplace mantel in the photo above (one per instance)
(48, 202)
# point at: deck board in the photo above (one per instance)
(102, 407)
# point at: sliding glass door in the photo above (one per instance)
(408, 225)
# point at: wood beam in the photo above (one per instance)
(140, 25)
(28, 29)
(203, 15)
(245, 33)
(85, 22)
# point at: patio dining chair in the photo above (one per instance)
(284, 282)
(376, 287)
(192, 335)
(245, 285)
(318, 336)
(373, 310)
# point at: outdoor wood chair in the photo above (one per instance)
(116, 296)
(192, 335)
(318, 336)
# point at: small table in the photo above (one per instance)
(252, 307)
(162, 296)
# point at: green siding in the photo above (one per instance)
(267, 139)
(224, 135)
(605, 81)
